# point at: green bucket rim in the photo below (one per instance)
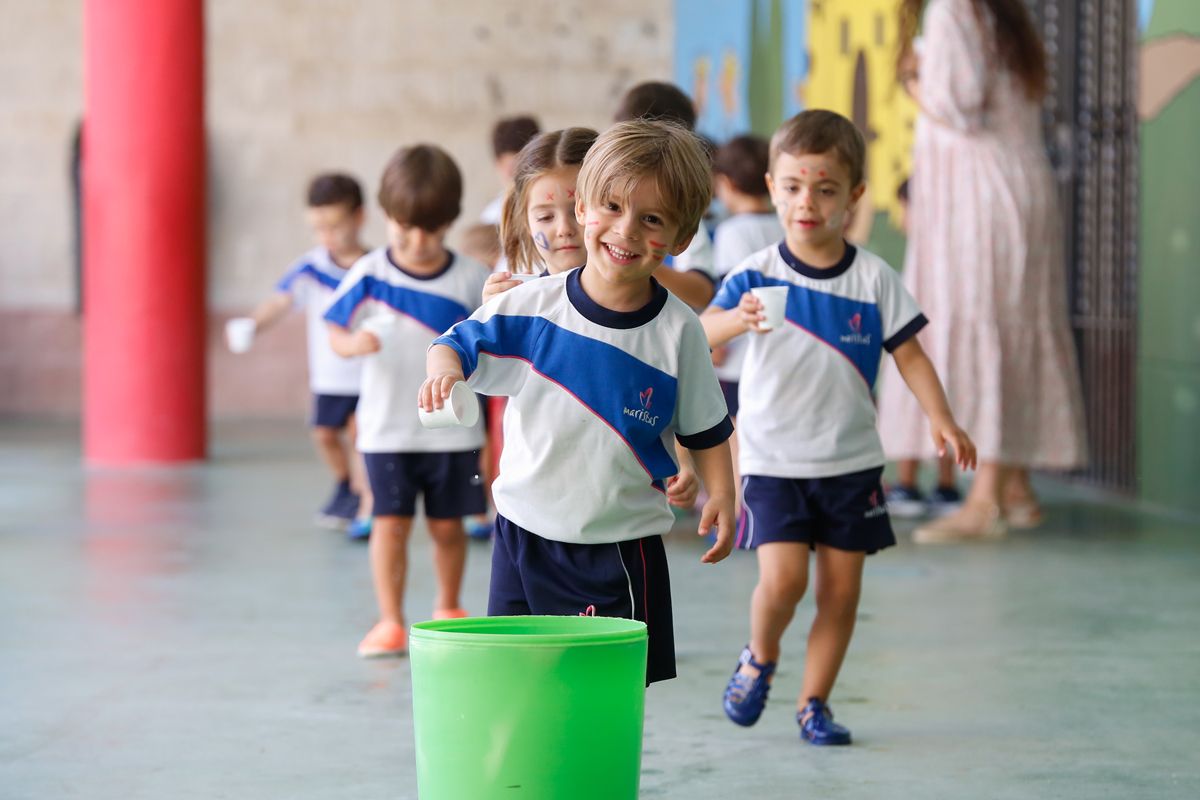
(467, 630)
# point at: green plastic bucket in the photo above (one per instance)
(534, 708)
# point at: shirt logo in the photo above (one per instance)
(856, 336)
(643, 414)
(877, 508)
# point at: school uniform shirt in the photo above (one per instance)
(423, 306)
(736, 239)
(310, 282)
(597, 398)
(806, 402)
(698, 257)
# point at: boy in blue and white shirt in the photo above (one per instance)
(389, 309)
(810, 452)
(335, 214)
(604, 368)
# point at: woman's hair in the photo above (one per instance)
(544, 153)
(1016, 43)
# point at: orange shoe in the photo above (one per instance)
(450, 613)
(385, 639)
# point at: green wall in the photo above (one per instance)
(1169, 315)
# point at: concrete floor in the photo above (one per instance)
(187, 634)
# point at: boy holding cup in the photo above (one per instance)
(810, 451)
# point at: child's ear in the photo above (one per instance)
(683, 244)
(580, 211)
(856, 193)
(770, 187)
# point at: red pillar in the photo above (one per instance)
(143, 194)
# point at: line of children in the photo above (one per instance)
(388, 309)
(604, 368)
(335, 214)
(810, 452)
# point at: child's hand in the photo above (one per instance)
(498, 283)
(365, 343)
(946, 430)
(718, 511)
(683, 488)
(719, 354)
(750, 313)
(435, 390)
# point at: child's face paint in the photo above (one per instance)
(813, 197)
(551, 218)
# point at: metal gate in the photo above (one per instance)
(1091, 124)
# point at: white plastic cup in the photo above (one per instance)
(382, 326)
(774, 302)
(239, 334)
(460, 408)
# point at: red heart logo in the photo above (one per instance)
(645, 396)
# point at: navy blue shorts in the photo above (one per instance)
(533, 575)
(333, 410)
(843, 511)
(730, 390)
(450, 483)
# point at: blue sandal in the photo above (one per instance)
(745, 696)
(817, 725)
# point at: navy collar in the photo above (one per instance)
(432, 276)
(818, 273)
(600, 315)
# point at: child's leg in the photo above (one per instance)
(329, 446)
(389, 565)
(839, 583)
(449, 560)
(358, 469)
(945, 478)
(782, 581)
(906, 472)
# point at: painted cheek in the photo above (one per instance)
(541, 241)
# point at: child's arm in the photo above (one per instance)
(443, 369)
(348, 344)
(715, 466)
(918, 372)
(271, 310)
(722, 325)
(690, 287)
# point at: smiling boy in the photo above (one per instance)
(810, 452)
(605, 369)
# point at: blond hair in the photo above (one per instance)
(669, 154)
(544, 153)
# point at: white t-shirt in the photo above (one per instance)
(808, 411)
(597, 398)
(697, 258)
(423, 307)
(311, 281)
(735, 240)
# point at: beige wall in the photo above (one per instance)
(299, 86)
